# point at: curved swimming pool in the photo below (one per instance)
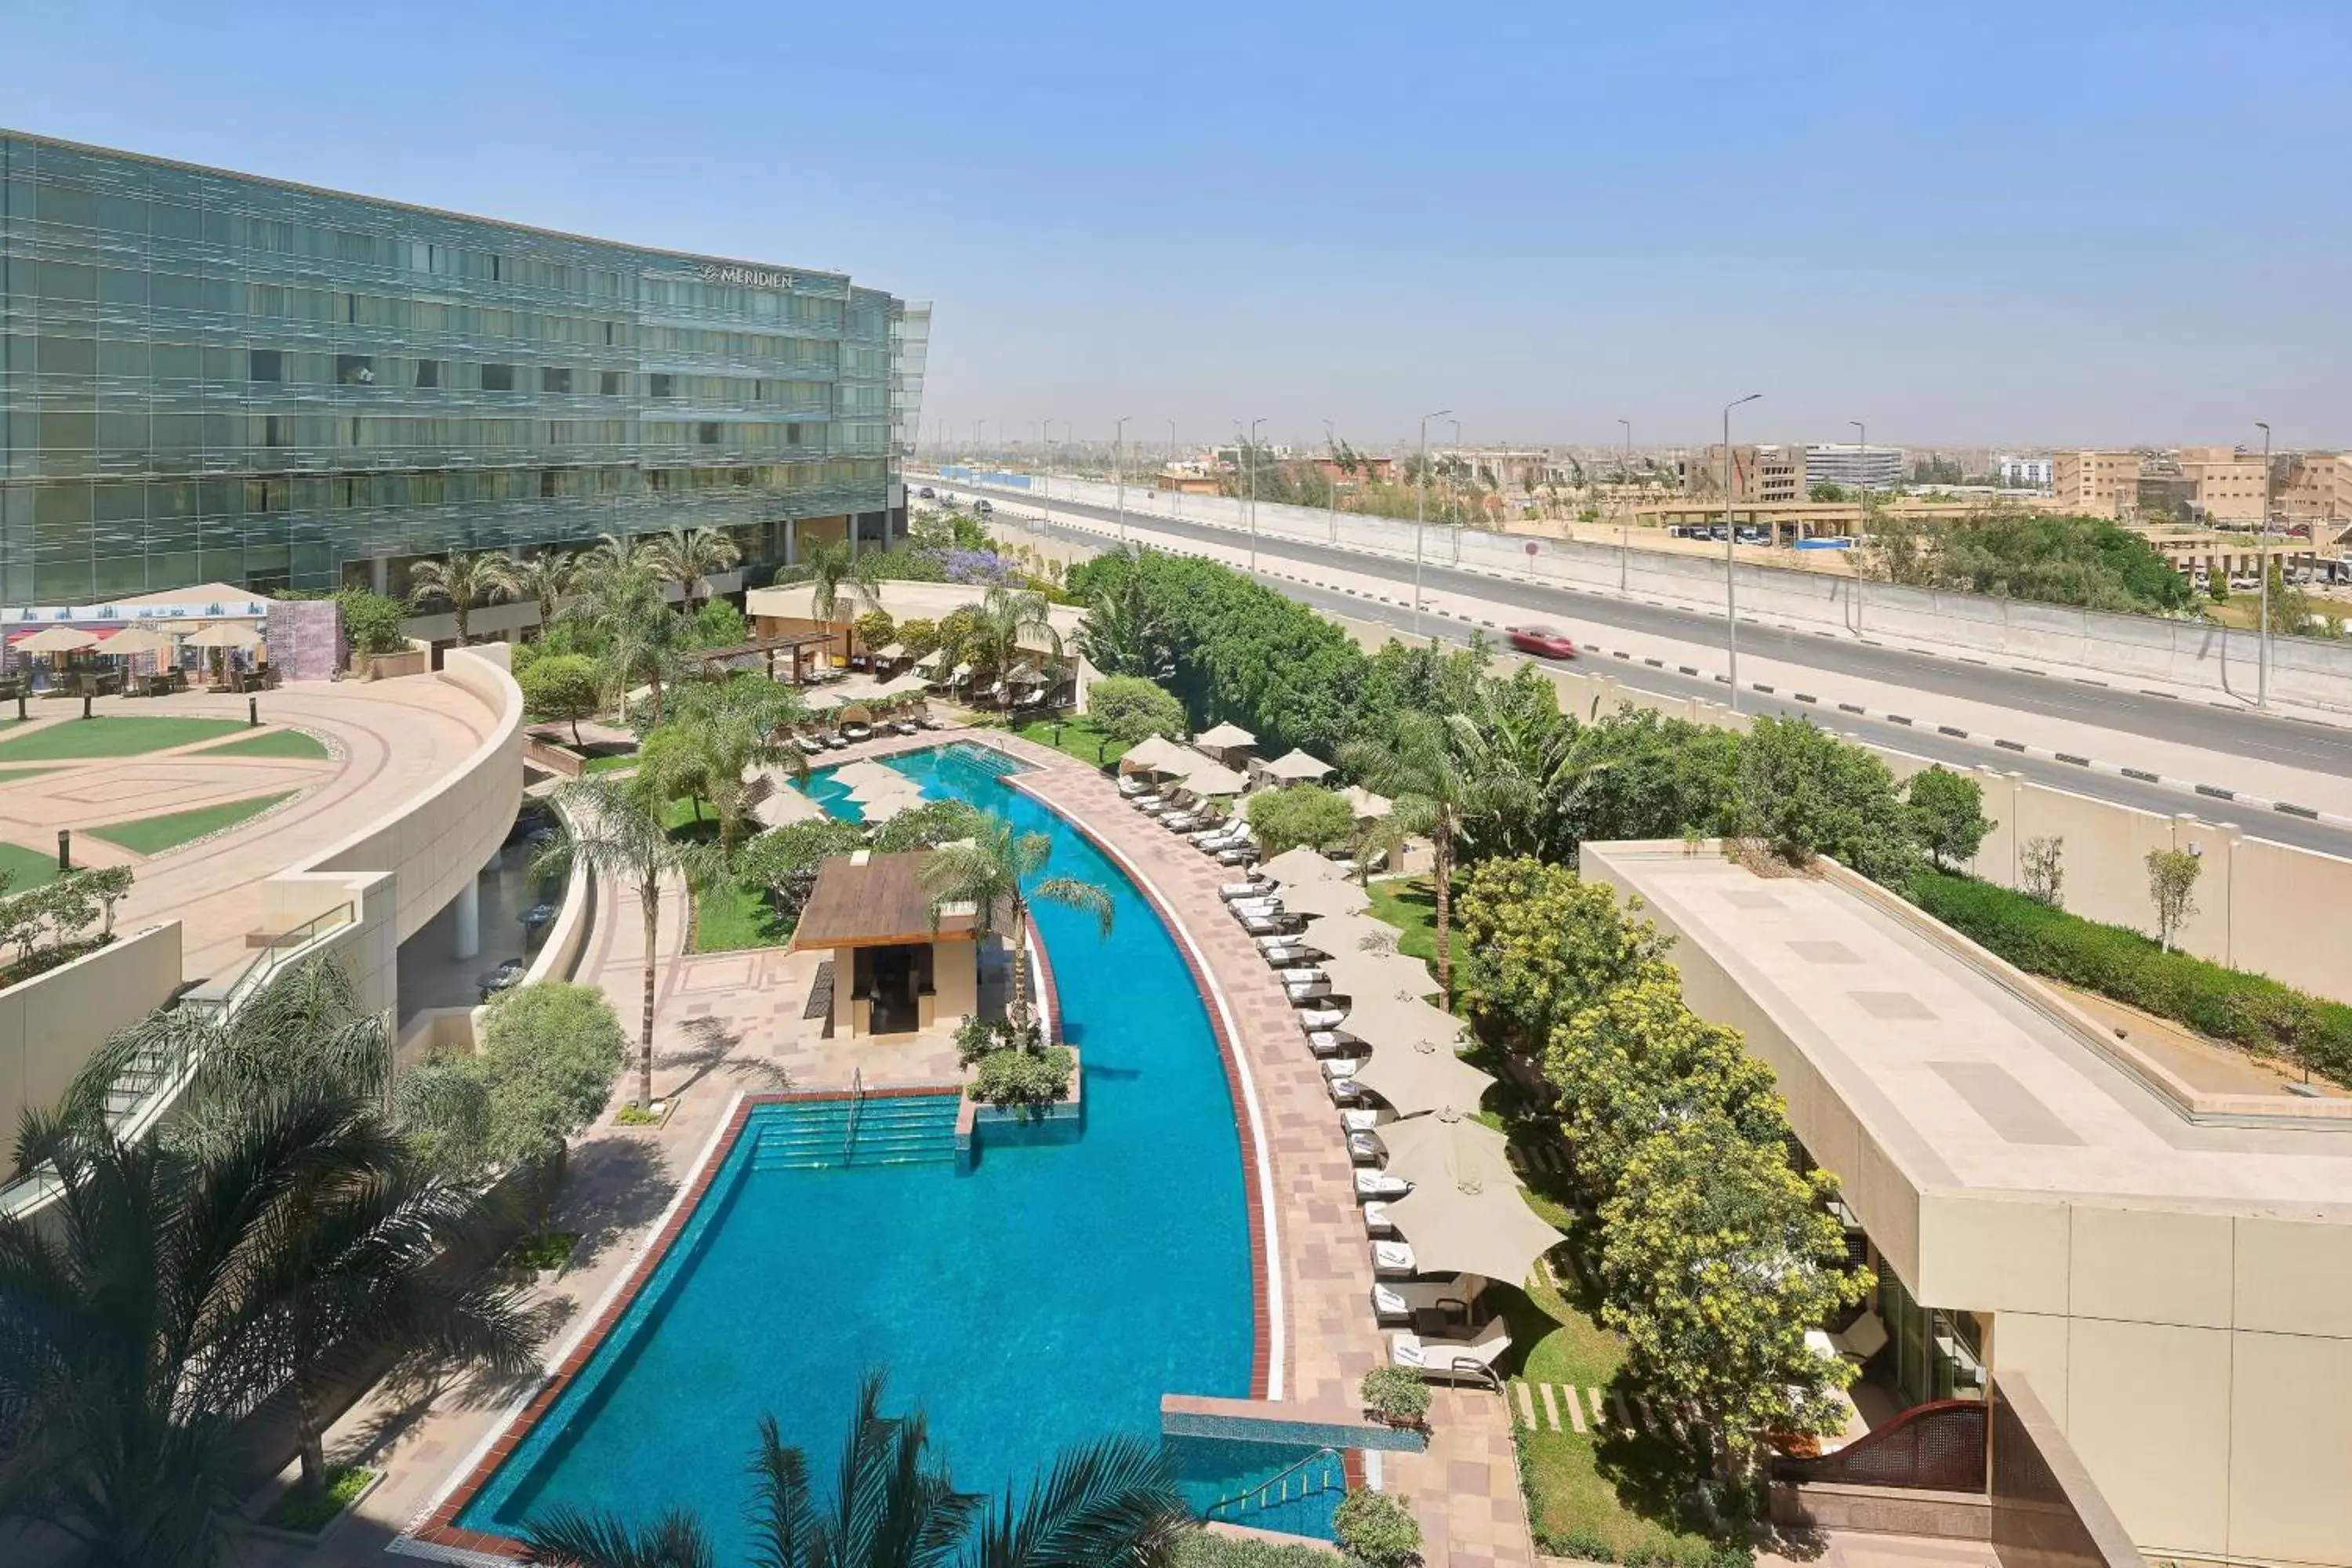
(1052, 1294)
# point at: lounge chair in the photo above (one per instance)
(1344, 1091)
(1332, 1043)
(1473, 1357)
(1284, 954)
(1337, 1067)
(1291, 938)
(1860, 1339)
(1240, 857)
(1255, 887)
(1362, 1120)
(809, 744)
(1372, 1183)
(1314, 1018)
(1179, 821)
(1375, 1216)
(1395, 1259)
(1396, 1300)
(1306, 993)
(905, 726)
(1366, 1149)
(1263, 925)
(1134, 785)
(1300, 974)
(929, 722)
(1256, 904)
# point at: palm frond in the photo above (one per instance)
(1110, 1501)
(1087, 898)
(575, 1538)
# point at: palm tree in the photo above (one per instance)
(833, 569)
(619, 832)
(465, 582)
(1122, 634)
(1001, 622)
(993, 872)
(688, 559)
(1438, 787)
(1108, 1501)
(546, 577)
(187, 1276)
(725, 744)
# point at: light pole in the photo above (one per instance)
(1420, 514)
(1862, 462)
(1331, 488)
(1455, 529)
(1730, 582)
(1178, 492)
(2262, 644)
(1625, 473)
(1046, 471)
(1118, 468)
(1249, 457)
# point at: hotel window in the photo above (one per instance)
(608, 384)
(428, 373)
(554, 378)
(707, 432)
(266, 364)
(498, 378)
(354, 370)
(664, 385)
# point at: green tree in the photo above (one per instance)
(544, 578)
(1803, 791)
(718, 624)
(1718, 1257)
(565, 687)
(926, 827)
(998, 871)
(1825, 491)
(465, 583)
(276, 1235)
(1123, 633)
(371, 621)
(719, 745)
(619, 833)
(919, 636)
(1108, 1501)
(548, 1057)
(1004, 622)
(1131, 709)
(689, 558)
(785, 860)
(1545, 944)
(1948, 815)
(1637, 1059)
(875, 629)
(1636, 773)
(2172, 888)
(837, 574)
(1300, 814)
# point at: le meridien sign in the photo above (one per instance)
(744, 276)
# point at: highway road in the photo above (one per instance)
(2314, 747)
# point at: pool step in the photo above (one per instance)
(824, 1135)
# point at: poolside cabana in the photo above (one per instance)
(1224, 739)
(1294, 767)
(895, 970)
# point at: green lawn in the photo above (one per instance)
(112, 736)
(26, 868)
(154, 835)
(8, 773)
(1080, 739)
(729, 916)
(273, 744)
(1407, 903)
(613, 762)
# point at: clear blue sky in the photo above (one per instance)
(2058, 223)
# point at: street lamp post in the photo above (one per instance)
(2262, 644)
(1730, 577)
(1454, 529)
(1249, 457)
(1331, 483)
(1862, 462)
(1118, 468)
(1179, 491)
(1625, 473)
(1420, 514)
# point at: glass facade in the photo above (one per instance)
(210, 377)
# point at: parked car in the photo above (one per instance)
(1542, 641)
(983, 507)
(928, 493)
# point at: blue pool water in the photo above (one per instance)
(1053, 1294)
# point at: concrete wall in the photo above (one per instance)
(51, 1024)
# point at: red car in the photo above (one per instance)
(1542, 641)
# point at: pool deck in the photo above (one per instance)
(729, 1022)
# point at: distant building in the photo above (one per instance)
(2096, 483)
(1855, 465)
(2022, 472)
(2226, 484)
(1758, 473)
(2315, 488)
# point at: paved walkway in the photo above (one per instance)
(392, 739)
(731, 1021)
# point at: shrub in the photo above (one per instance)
(1206, 1549)
(566, 686)
(1395, 1393)
(2250, 1010)
(1300, 814)
(371, 621)
(919, 636)
(1946, 813)
(875, 629)
(1017, 1076)
(1804, 792)
(1131, 709)
(1375, 1529)
(1588, 1546)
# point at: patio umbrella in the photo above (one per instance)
(1297, 767)
(1325, 899)
(225, 634)
(1420, 1077)
(1225, 737)
(890, 653)
(823, 701)
(1155, 754)
(1336, 934)
(136, 641)
(1369, 975)
(57, 639)
(1211, 778)
(1384, 1019)
(782, 804)
(1369, 807)
(1300, 865)
(1447, 1145)
(1465, 1215)
(864, 775)
(900, 686)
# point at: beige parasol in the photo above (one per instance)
(1225, 737)
(1325, 899)
(137, 640)
(1370, 976)
(225, 634)
(1466, 1214)
(1156, 754)
(1384, 1018)
(1421, 1076)
(57, 639)
(1300, 864)
(1209, 778)
(1369, 807)
(1297, 767)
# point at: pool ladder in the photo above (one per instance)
(856, 1111)
(1290, 1484)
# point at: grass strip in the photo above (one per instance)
(154, 835)
(112, 736)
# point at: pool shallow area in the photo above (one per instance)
(1051, 1295)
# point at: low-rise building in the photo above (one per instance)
(2227, 483)
(1758, 473)
(2092, 483)
(1855, 465)
(2315, 488)
(898, 967)
(2158, 1243)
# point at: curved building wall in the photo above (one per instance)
(207, 376)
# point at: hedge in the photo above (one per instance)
(2249, 1010)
